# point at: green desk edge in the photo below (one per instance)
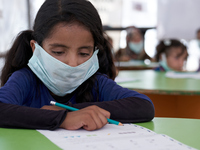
(184, 130)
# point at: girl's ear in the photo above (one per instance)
(32, 44)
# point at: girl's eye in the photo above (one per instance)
(57, 52)
(84, 54)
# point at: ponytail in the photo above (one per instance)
(160, 48)
(18, 55)
(105, 57)
(110, 66)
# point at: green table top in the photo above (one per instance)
(150, 81)
(135, 64)
(184, 130)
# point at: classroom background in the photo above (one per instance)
(157, 19)
(176, 98)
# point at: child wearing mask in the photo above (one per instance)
(172, 55)
(198, 37)
(134, 49)
(65, 59)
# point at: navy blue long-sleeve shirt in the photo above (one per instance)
(23, 95)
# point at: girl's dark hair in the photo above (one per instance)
(198, 30)
(18, 55)
(165, 45)
(50, 14)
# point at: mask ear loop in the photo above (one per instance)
(184, 65)
(163, 57)
(95, 48)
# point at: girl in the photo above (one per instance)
(65, 59)
(171, 54)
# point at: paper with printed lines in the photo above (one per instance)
(113, 137)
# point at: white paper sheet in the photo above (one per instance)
(114, 137)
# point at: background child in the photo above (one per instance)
(65, 59)
(172, 55)
(134, 49)
(198, 37)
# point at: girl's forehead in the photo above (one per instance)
(174, 51)
(70, 25)
(63, 27)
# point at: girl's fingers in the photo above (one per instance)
(90, 118)
(104, 112)
(99, 116)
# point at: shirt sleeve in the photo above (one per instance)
(17, 88)
(110, 90)
(125, 105)
(126, 110)
(25, 89)
(14, 116)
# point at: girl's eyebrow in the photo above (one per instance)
(61, 45)
(86, 47)
(58, 45)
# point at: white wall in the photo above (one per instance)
(178, 18)
(13, 19)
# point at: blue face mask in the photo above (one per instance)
(59, 77)
(136, 47)
(165, 66)
(163, 63)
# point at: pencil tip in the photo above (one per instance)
(120, 124)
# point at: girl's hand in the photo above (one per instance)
(90, 118)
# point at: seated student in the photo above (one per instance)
(134, 49)
(198, 37)
(198, 43)
(172, 54)
(197, 40)
(65, 59)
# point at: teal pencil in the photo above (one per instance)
(75, 109)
